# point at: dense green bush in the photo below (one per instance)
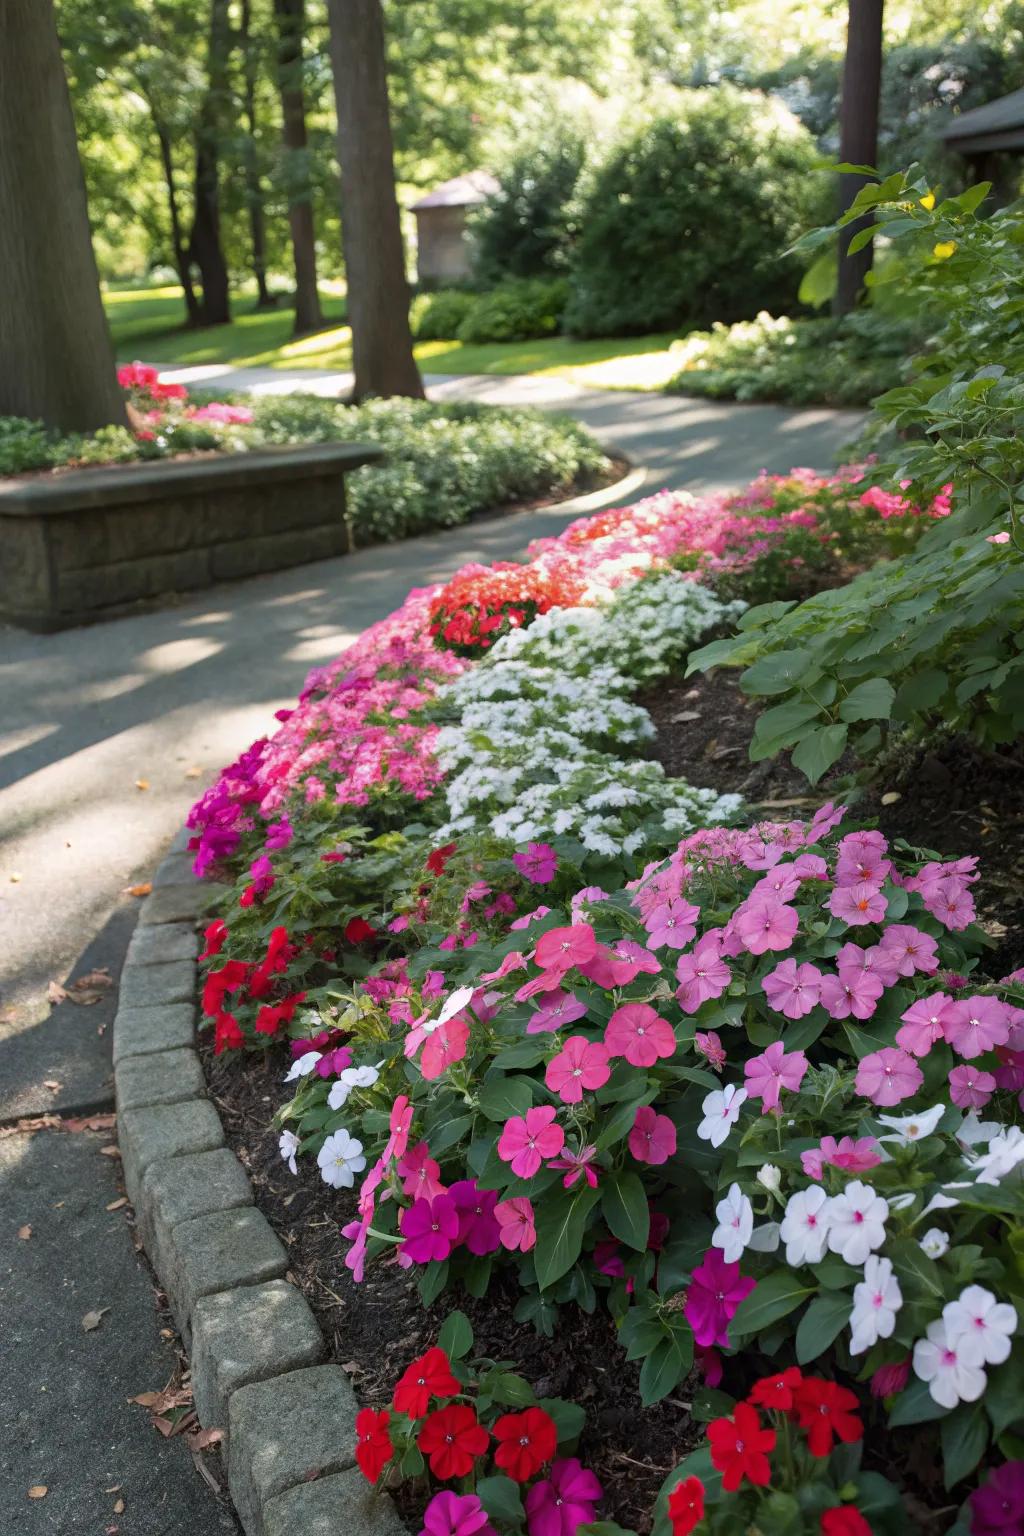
(686, 220)
(529, 227)
(836, 362)
(437, 316)
(518, 310)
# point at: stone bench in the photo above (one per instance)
(89, 544)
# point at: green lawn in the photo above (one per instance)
(147, 324)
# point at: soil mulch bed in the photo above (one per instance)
(375, 1329)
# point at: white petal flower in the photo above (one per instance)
(721, 1111)
(857, 1220)
(876, 1300)
(979, 1327)
(340, 1159)
(302, 1066)
(735, 1224)
(908, 1128)
(1005, 1154)
(805, 1226)
(288, 1145)
(934, 1243)
(972, 1131)
(950, 1378)
(459, 999)
(770, 1177)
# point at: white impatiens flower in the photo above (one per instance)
(288, 1145)
(721, 1111)
(876, 1300)
(972, 1131)
(735, 1224)
(1005, 1154)
(805, 1226)
(351, 1077)
(979, 1327)
(908, 1128)
(857, 1220)
(459, 999)
(340, 1159)
(769, 1177)
(951, 1379)
(934, 1243)
(302, 1066)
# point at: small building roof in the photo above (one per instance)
(461, 192)
(997, 125)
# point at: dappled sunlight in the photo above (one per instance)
(176, 655)
(15, 741)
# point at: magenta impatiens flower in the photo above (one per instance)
(856, 904)
(637, 1032)
(580, 1064)
(529, 1140)
(429, 1228)
(976, 1025)
(557, 1008)
(703, 974)
(576, 1166)
(453, 1514)
(560, 949)
(716, 1290)
(518, 1230)
(765, 924)
(970, 1088)
(766, 1075)
(997, 1508)
(538, 862)
(653, 1137)
(888, 1076)
(565, 1500)
(478, 1225)
(792, 989)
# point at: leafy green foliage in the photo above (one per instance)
(529, 227)
(517, 310)
(437, 316)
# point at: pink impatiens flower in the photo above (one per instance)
(792, 989)
(653, 1137)
(581, 1063)
(528, 1140)
(576, 1166)
(855, 992)
(766, 1075)
(716, 1290)
(421, 1174)
(924, 1023)
(888, 1076)
(856, 904)
(430, 1229)
(951, 902)
(976, 1025)
(516, 1220)
(566, 1499)
(703, 974)
(853, 1156)
(556, 1009)
(911, 949)
(538, 863)
(710, 1046)
(445, 1045)
(673, 923)
(765, 924)
(970, 1088)
(561, 948)
(637, 1032)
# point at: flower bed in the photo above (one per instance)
(599, 1039)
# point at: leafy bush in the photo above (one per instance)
(437, 316)
(518, 310)
(836, 362)
(685, 221)
(528, 228)
(24, 445)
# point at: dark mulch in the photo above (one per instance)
(374, 1329)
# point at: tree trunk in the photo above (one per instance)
(290, 16)
(177, 234)
(56, 357)
(253, 190)
(378, 293)
(858, 137)
(204, 245)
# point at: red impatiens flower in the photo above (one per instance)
(214, 938)
(429, 1376)
(525, 1442)
(827, 1411)
(846, 1521)
(373, 1442)
(357, 929)
(227, 1035)
(777, 1392)
(229, 978)
(686, 1506)
(739, 1448)
(452, 1439)
(438, 858)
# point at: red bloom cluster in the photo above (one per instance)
(140, 380)
(481, 603)
(251, 983)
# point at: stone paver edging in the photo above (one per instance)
(256, 1349)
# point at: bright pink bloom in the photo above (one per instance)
(766, 1075)
(557, 1008)
(453, 1514)
(911, 949)
(576, 1166)
(581, 1063)
(528, 1140)
(478, 1225)
(925, 1023)
(421, 1174)
(888, 1076)
(782, 883)
(561, 948)
(792, 989)
(976, 1025)
(399, 1125)
(637, 1032)
(702, 974)
(673, 923)
(716, 1290)
(653, 1137)
(430, 1229)
(853, 1156)
(516, 1220)
(889, 1379)
(857, 904)
(970, 1088)
(565, 1500)
(636, 956)
(951, 902)
(530, 917)
(855, 992)
(765, 924)
(538, 863)
(446, 1045)
(711, 1048)
(875, 961)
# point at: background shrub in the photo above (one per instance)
(518, 310)
(437, 316)
(528, 229)
(685, 221)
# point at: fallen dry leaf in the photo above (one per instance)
(119, 1507)
(110, 1151)
(142, 889)
(92, 1320)
(165, 1426)
(146, 1399)
(201, 1438)
(90, 1123)
(52, 1084)
(55, 993)
(38, 1491)
(31, 1124)
(117, 1205)
(90, 987)
(25, 1233)
(891, 796)
(193, 773)
(141, 783)
(16, 877)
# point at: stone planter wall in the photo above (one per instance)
(93, 543)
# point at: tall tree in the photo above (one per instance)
(253, 187)
(56, 356)
(858, 137)
(378, 292)
(205, 248)
(290, 16)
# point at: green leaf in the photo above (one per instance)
(964, 1436)
(818, 751)
(433, 1281)
(821, 1324)
(780, 1293)
(511, 1390)
(915, 1405)
(661, 1371)
(569, 1418)
(412, 1463)
(1003, 1400)
(818, 283)
(775, 673)
(560, 1236)
(780, 1514)
(456, 1335)
(871, 700)
(502, 1097)
(624, 1208)
(501, 1499)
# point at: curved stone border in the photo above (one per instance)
(256, 1349)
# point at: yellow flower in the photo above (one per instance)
(928, 201)
(944, 250)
